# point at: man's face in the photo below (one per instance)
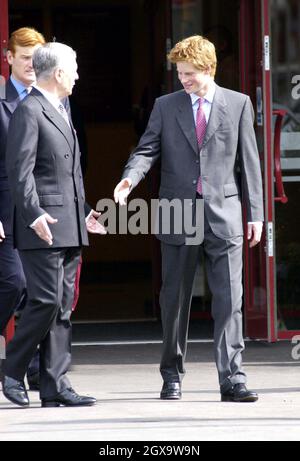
(68, 76)
(21, 64)
(192, 79)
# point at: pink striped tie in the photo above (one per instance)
(200, 133)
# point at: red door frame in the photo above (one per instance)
(4, 71)
(289, 334)
(255, 29)
(269, 172)
(251, 12)
(255, 75)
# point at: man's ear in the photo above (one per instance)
(9, 57)
(58, 74)
(208, 70)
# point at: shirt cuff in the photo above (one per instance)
(88, 216)
(36, 220)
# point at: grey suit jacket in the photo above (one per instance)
(228, 161)
(43, 167)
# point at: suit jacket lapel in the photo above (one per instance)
(54, 117)
(12, 97)
(218, 112)
(57, 120)
(186, 120)
(76, 148)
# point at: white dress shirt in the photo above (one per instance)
(207, 104)
(52, 98)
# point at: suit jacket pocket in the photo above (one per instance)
(230, 190)
(51, 200)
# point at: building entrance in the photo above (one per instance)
(122, 47)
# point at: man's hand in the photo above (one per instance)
(122, 190)
(2, 235)
(92, 224)
(254, 233)
(41, 228)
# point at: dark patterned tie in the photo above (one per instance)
(64, 114)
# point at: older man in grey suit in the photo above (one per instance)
(51, 220)
(205, 139)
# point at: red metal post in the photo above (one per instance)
(4, 68)
(268, 171)
(4, 71)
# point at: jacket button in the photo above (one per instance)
(197, 161)
(67, 155)
(75, 199)
(195, 181)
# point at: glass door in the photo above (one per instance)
(285, 46)
(270, 67)
(255, 77)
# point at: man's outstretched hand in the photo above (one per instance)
(122, 191)
(92, 224)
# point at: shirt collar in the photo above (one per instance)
(18, 85)
(209, 97)
(53, 99)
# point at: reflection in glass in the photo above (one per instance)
(286, 95)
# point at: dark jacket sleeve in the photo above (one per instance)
(20, 162)
(250, 165)
(147, 151)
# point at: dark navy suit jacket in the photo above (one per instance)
(7, 107)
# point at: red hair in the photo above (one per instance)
(26, 36)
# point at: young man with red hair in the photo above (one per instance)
(204, 138)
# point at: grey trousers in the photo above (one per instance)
(223, 261)
(45, 321)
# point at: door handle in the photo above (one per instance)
(281, 197)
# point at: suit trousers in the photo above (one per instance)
(50, 275)
(12, 281)
(223, 261)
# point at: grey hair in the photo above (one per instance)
(47, 58)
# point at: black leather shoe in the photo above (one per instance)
(239, 393)
(68, 398)
(34, 382)
(15, 391)
(171, 391)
